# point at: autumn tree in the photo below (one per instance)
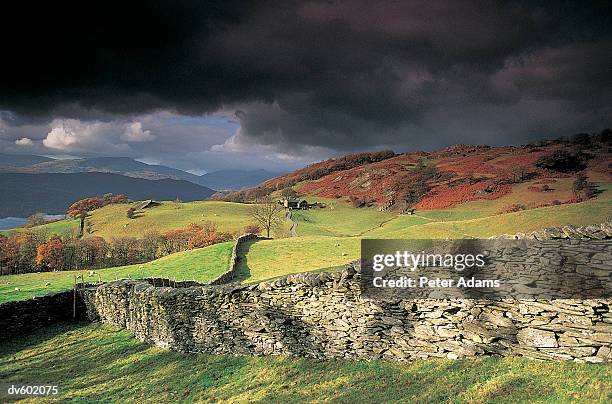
(51, 254)
(36, 219)
(119, 199)
(124, 250)
(267, 214)
(150, 243)
(80, 208)
(93, 251)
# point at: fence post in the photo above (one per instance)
(74, 298)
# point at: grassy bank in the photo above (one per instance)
(96, 363)
(203, 264)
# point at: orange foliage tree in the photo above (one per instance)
(51, 254)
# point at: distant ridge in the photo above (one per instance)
(224, 180)
(24, 194)
(219, 180)
(21, 160)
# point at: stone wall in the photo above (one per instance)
(323, 316)
(20, 317)
(231, 273)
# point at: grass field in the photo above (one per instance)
(272, 258)
(203, 264)
(61, 227)
(338, 219)
(452, 226)
(328, 237)
(268, 259)
(112, 221)
(96, 363)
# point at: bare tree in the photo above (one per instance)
(267, 214)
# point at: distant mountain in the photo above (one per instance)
(115, 165)
(21, 160)
(224, 180)
(220, 180)
(24, 194)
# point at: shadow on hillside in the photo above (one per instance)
(23, 341)
(244, 272)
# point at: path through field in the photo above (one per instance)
(293, 229)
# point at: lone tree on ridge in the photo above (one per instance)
(267, 214)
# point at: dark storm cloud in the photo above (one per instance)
(339, 75)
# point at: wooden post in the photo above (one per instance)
(74, 298)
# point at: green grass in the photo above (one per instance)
(320, 230)
(268, 259)
(96, 363)
(593, 211)
(203, 264)
(338, 219)
(112, 220)
(61, 227)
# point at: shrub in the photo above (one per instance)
(563, 161)
(513, 208)
(36, 219)
(252, 229)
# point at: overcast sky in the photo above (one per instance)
(210, 85)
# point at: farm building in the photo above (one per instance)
(295, 204)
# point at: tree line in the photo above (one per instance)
(36, 251)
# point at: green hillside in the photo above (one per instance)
(203, 264)
(112, 221)
(327, 237)
(98, 363)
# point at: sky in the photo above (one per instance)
(209, 85)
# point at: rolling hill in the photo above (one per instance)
(24, 194)
(223, 180)
(114, 165)
(218, 180)
(8, 161)
(456, 175)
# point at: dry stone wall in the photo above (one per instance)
(324, 316)
(231, 273)
(20, 317)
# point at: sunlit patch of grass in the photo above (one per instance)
(92, 362)
(203, 264)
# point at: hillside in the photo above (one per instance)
(202, 265)
(461, 174)
(126, 370)
(25, 194)
(8, 161)
(234, 179)
(114, 165)
(218, 180)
